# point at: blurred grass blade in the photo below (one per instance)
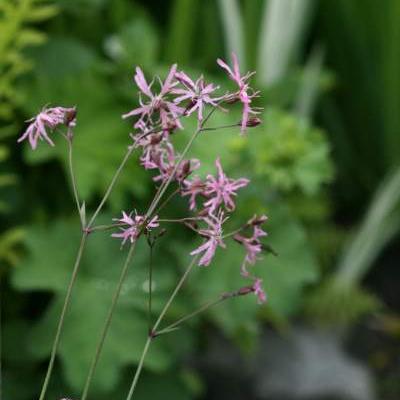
(309, 88)
(233, 29)
(180, 39)
(282, 30)
(380, 224)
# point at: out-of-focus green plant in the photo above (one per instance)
(291, 154)
(16, 34)
(94, 57)
(342, 299)
(361, 42)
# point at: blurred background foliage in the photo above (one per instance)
(323, 167)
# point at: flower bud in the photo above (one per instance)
(245, 290)
(69, 116)
(232, 99)
(253, 121)
(155, 139)
(256, 221)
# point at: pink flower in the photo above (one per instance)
(259, 291)
(213, 233)
(132, 227)
(167, 111)
(198, 93)
(222, 189)
(252, 245)
(193, 189)
(49, 118)
(245, 93)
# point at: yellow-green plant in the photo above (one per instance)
(17, 18)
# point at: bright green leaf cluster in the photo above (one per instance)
(290, 153)
(16, 34)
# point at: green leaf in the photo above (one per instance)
(48, 267)
(30, 37)
(284, 276)
(290, 153)
(42, 13)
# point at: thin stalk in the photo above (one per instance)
(111, 186)
(204, 307)
(179, 220)
(149, 310)
(107, 324)
(215, 128)
(174, 293)
(86, 231)
(159, 320)
(167, 200)
(73, 181)
(164, 186)
(233, 232)
(99, 228)
(160, 192)
(139, 368)
(62, 316)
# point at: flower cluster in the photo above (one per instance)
(131, 227)
(160, 113)
(48, 118)
(163, 106)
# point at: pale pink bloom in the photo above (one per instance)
(197, 93)
(252, 245)
(131, 227)
(222, 189)
(193, 188)
(213, 233)
(245, 93)
(168, 111)
(48, 118)
(165, 159)
(259, 291)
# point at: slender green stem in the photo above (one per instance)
(160, 192)
(179, 220)
(62, 316)
(159, 320)
(233, 232)
(111, 186)
(215, 128)
(165, 185)
(107, 323)
(139, 368)
(149, 310)
(86, 230)
(73, 181)
(204, 307)
(167, 200)
(174, 293)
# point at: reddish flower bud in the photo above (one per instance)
(155, 139)
(70, 116)
(252, 122)
(257, 220)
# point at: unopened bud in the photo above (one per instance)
(171, 126)
(245, 290)
(203, 213)
(69, 116)
(155, 139)
(257, 220)
(253, 121)
(186, 167)
(232, 99)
